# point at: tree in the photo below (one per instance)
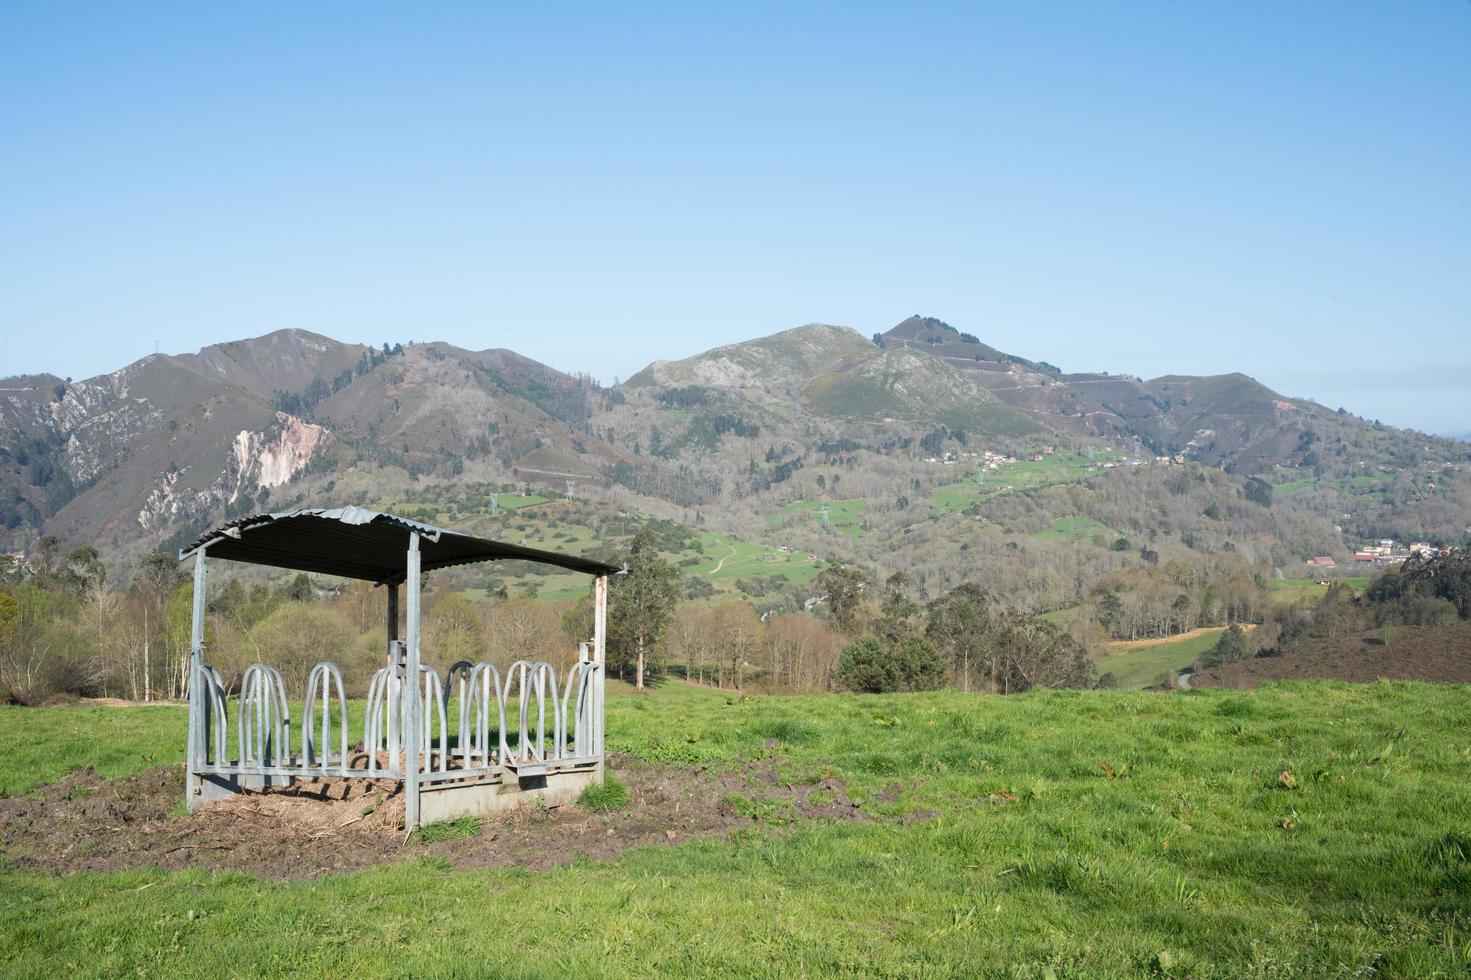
(525, 629)
(738, 633)
(801, 652)
(299, 589)
(453, 630)
(1229, 648)
(294, 638)
(577, 621)
(81, 571)
(875, 667)
(896, 610)
(959, 624)
(1032, 653)
(642, 602)
(9, 620)
(843, 586)
(1259, 491)
(1110, 611)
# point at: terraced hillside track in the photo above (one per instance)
(721, 563)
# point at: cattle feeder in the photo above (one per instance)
(520, 737)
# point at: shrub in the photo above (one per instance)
(873, 666)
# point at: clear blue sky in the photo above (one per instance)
(1278, 188)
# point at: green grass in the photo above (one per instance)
(726, 559)
(1307, 590)
(741, 560)
(41, 746)
(1292, 486)
(1061, 617)
(1024, 474)
(1076, 529)
(610, 795)
(844, 516)
(1056, 833)
(459, 828)
(1141, 667)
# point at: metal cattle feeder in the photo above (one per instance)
(503, 753)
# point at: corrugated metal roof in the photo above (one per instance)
(355, 542)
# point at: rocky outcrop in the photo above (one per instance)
(257, 461)
(269, 460)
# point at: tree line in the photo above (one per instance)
(64, 631)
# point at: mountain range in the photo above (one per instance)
(152, 453)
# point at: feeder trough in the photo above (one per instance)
(522, 737)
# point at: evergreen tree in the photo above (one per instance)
(641, 603)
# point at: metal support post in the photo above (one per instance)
(392, 624)
(394, 702)
(600, 656)
(198, 702)
(413, 734)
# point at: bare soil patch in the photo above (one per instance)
(1438, 654)
(1128, 646)
(86, 823)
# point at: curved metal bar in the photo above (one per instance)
(532, 677)
(520, 675)
(433, 695)
(559, 705)
(321, 680)
(581, 673)
(216, 750)
(373, 716)
(264, 724)
(457, 680)
(485, 680)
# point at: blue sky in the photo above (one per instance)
(1280, 189)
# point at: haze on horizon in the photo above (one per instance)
(1149, 189)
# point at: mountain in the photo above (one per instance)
(1227, 420)
(780, 364)
(835, 373)
(132, 453)
(740, 437)
(149, 452)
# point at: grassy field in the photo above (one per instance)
(728, 559)
(1076, 529)
(719, 559)
(1050, 834)
(42, 745)
(1136, 665)
(1307, 590)
(1024, 474)
(1292, 486)
(844, 516)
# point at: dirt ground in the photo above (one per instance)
(1126, 646)
(86, 823)
(1439, 654)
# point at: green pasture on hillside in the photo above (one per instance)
(724, 560)
(1076, 529)
(1307, 590)
(454, 513)
(1142, 666)
(844, 516)
(1024, 474)
(720, 559)
(1292, 486)
(1048, 834)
